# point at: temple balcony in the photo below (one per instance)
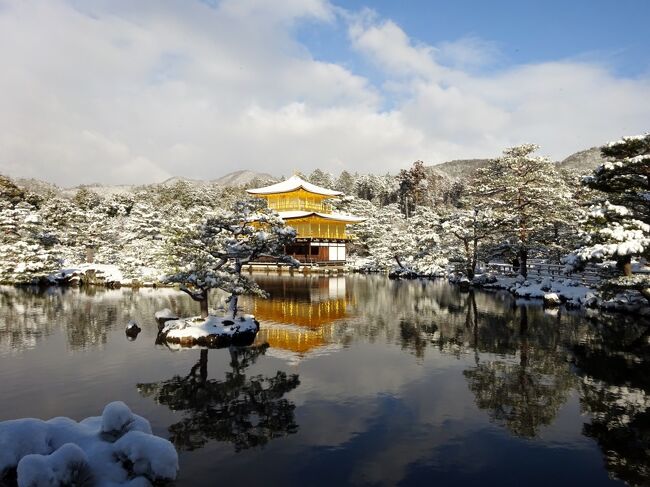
(298, 205)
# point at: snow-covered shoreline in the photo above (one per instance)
(569, 292)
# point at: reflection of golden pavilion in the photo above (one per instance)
(300, 315)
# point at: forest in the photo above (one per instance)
(514, 208)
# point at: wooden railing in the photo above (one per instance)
(591, 274)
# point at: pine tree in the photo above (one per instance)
(345, 183)
(471, 228)
(618, 228)
(413, 186)
(211, 254)
(526, 194)
(28, 250)
(321, 178)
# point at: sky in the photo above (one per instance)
(124, 92)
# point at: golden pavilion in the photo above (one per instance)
(321, 234)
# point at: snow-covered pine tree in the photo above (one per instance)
(413, 185)
(67, 221)
(469, 229)
(211, 254)
(27, 249)
(526, 193)
(389, 240)
(345, 183)
(618, 228)
(321, 178)
(142, 242)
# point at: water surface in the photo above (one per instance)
(351, 380)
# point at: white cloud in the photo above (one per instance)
(564, 106)
(130, 92)
(389, 46)
(468, 53)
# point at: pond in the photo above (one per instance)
(351, 381)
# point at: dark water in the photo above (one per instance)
(354, 380)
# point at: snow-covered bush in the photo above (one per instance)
(116, 448)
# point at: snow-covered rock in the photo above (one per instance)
(132, 329)
(552, 300)
(165, 313)
(213, 331)
(163, 316)
(464, 284)
(89, 273)
(114, 449)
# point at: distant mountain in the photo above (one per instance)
(37, 186)
(233, 179)
(584, 161)
(459, 168)
(177, 179)
(243, 177)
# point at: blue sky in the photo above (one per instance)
(134, 92)
(529, 31)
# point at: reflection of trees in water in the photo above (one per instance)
(613, 361)
(246, 411)
(85, 315)
(523, 395)
(522, 388)
(25, 317)
(418, 307)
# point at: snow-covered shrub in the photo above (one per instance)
(116, 448)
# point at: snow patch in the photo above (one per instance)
(105, 272)
(114, 449)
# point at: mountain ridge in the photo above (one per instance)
(584, 161)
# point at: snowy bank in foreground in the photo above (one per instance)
(116, 448)
(213, 331)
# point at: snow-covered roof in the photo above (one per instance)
(292, 184)
(288, 215)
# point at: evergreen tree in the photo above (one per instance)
(526, 194)
(345, 183)
(211, 254)
(28, 250)
(413, 186)
(470, 228)
(618, 228)
(321, 178)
